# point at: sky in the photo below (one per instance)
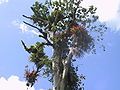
(101, 70)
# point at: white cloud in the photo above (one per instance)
(108, 12)
(114, 24)
(13, 83)
(3, 1)
(42, 89)
(24, 28)
(106, 9)
(34, 32)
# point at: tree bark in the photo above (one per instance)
(60, 70)
(66, 66)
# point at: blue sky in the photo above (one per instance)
(101, 70)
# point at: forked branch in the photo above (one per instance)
(44, 34)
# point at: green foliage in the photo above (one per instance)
(74, 81)
(63, 25)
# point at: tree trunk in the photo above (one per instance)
(60, 70)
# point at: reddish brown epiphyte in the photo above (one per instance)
(31, 77)
(76, 28)
(31, 74)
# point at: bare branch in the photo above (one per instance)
(27, 17)
(40, 30)
(48, 42)
(38, 19)
(44, 35)
(25, 47)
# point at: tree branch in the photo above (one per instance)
(25, 47)
(48, 42)
(38, 19)
(27, 17)
(40, 30)
(44, 35)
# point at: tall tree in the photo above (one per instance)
(71, 31)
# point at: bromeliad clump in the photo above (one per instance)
(30, 76)
(76, 27)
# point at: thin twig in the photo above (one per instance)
(39, 19)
